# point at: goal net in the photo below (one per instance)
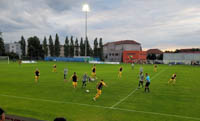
(4, 60)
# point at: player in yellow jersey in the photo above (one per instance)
(37, 75)
(120, 72)
(155, 68)
(172, 79)
(93, 75)
(74, 79)
(99, 89)
(20, 62)
(54, 68)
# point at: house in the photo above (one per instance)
(13, 47)
(113, 51)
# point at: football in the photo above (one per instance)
(87, 90)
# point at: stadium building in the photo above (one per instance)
(13, 47)
(181, 58)
(157, 52)
(134, 56)
(113, 51)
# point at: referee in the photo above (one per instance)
(147, 83)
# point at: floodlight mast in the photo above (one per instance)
(86, 9)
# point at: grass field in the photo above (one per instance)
(120, 101)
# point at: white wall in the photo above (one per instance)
(186, 58)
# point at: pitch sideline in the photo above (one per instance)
(98, 106)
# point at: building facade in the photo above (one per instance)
(113, 51)
(157, 52)
(13, 47)
(134, 56)
(181, 58)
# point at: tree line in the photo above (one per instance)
(72, 47)
(2, 49)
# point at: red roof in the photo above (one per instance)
(123, 42)
(154, 51)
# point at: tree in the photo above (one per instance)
(95, 47)
(45, 46)
(82, 48)
(149, 57)
(153, 56)
(2, 49)
(66, 47)
(34, 48)
(76, 47)
(23, 46)
(89, 49)
(101, 49)
(71, 47)
(57, 46)
(12, 55)
(51, 46)
(160, 57)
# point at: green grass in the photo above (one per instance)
(51, 97)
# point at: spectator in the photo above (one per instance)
(2, 115)
(60, 119)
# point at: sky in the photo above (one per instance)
(163, 24)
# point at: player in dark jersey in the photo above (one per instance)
(120, 72)
(93, 75)
(99, 89)
(74, 79)
(37, 75)
(54, 68)
(172, 79)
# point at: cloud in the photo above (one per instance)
(154, 23)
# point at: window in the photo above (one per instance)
(116, 54)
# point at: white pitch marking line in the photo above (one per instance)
(162, 114)
(98, 106)
(134, 91)
(124, 98)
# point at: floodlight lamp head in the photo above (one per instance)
(86, 8)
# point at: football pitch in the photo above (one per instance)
(121, 101)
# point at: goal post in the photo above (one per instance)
(4, 59)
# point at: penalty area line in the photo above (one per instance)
(98, 106)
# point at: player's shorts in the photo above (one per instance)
(54, 69)
(99, 91)
(36, 77)
(140, 81)
(147, 84)
(65, 76)
(120, 73)
(93, 73)
(74, 83)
